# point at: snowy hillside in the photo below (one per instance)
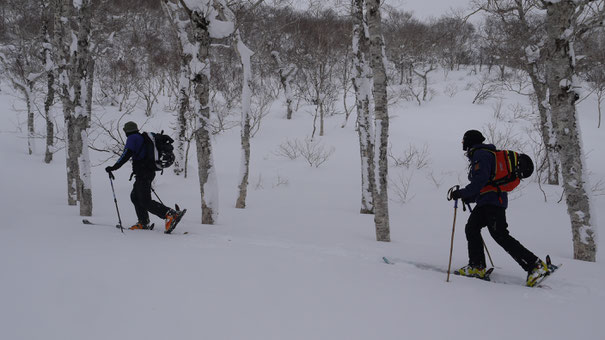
(299, 262)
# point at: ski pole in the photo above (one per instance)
(156, 195)
(449, 198)
(484, 245)
(115, 200)
(176, 206)
(488, 255)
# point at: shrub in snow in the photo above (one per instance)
(313, 151)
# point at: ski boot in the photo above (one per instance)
(172, 219)
(539, 271)
(142, 226)
(472, 271)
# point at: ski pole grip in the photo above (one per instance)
(450, 191)
(449, 195)
(111, 176)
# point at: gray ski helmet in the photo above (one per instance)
(471, 137)
(130, 127)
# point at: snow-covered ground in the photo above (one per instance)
(299, 262)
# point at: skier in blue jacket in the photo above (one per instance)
(143, 169)
(490, 211)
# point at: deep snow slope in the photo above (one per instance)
(299, 262)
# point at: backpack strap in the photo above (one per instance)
(491, 185)
(151, 159)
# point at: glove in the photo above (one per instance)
(109, 169)
(456, 194)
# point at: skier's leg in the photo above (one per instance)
(149, 204)
(476, 256)
(138, 199)
(498, 228)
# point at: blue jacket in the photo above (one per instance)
(481, 170)
(135, 149)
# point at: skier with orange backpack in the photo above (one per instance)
(493, 173)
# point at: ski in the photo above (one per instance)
(433, 268)
(88, 222)
(490, 271)
(423, 266)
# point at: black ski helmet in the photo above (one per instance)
(471, 137)
(130, 127)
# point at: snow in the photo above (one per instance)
(299, 262)
(198, 5)
(532, 53)
(220, 29)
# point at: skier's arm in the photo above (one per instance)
(480, 175)
(126, 155)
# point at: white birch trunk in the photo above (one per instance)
(560, 74)
(85, 173)
(90, 81)
(31, 132)
(516, 16)
(377, 58)
(200, 77)
(178, 20)
(61, 44)
(83, 70)
(534, 64)
(181, 135)
(546, 129)
(362, 83)
(245, 55)
(50, 126)
(72, 41)
(286, 76)
(49, 67)
(26, 89)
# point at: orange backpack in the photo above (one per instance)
(510, 167)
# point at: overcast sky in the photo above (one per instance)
(425, 9)
(421, 9)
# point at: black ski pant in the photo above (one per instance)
(141, 198)
(495, 219)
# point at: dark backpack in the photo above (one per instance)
(510, 168)
(160, 150)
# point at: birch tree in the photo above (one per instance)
(566, 20)
(245, 55)
(50, 70)
(286, 77)
(23, 74)
(362, 83)
(377, 62)
(61, 42)
(19, 59)
(72, 44)
(181, 27)
(204, 26)
(521, 24)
